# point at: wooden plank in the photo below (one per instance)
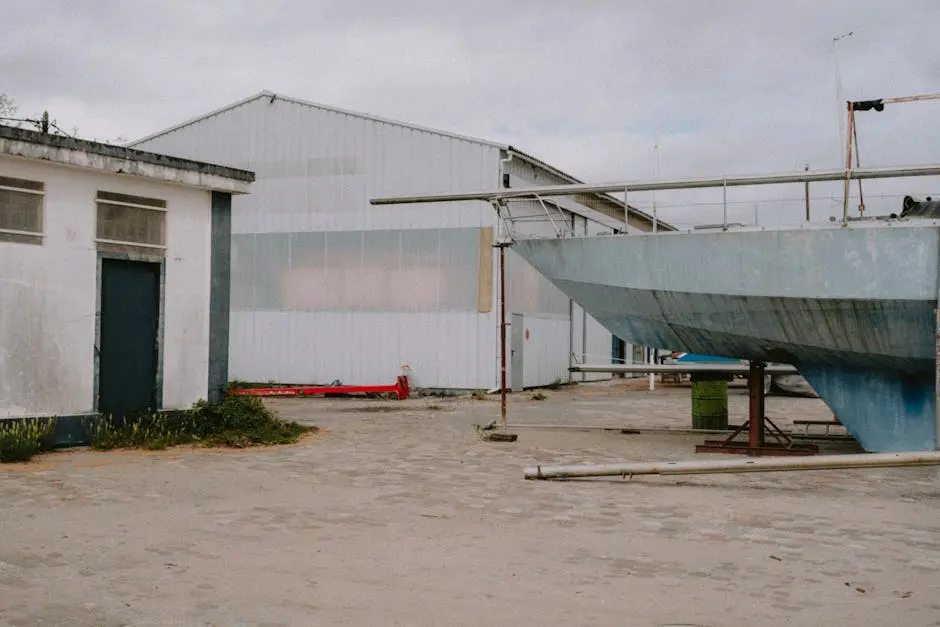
(485, 282)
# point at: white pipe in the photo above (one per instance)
(696, 367)
(762, 464)
(502, 170)
(802, 176)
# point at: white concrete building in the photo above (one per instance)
(114, 284)
(326, 286)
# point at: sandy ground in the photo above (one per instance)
(398, 514)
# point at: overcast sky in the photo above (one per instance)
(723, 86)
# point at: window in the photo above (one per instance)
(21, 210)
(130, 223)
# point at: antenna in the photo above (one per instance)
(839, 97)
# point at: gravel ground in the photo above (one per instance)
(398, 514)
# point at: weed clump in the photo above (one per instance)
(539, 396)
(20, 440)
(237, 421)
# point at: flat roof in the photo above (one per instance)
(83, 153)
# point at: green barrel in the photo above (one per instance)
(709, 401)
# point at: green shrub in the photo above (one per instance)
(237, 421)
(20, 440)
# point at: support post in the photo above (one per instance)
(806, 193)
(936, 432)
(848, 162)
(756, 408)
(724, 205)
(757, 426)
(502, 335)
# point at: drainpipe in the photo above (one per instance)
(502, 182)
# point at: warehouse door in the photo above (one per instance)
(127, 352)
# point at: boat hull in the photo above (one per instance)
(852, 308)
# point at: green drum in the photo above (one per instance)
(709, 402)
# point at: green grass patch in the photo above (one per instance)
(20, 440)
(237, 421)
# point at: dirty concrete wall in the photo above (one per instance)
(48, 294)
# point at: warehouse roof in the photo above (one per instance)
(598, 198)
(61, 149)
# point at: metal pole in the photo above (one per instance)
(724, 205)
(502, 334)
(835, 60)
(755, 385)
(762, 464)
(730, 368)
(626, 213)
(912, 98)
(858, 163)
(936, 432)
(848, 163)
(806, 192)
(641, 186)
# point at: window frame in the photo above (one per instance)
(143, 203)
(19, 236)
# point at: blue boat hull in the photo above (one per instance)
(852, 309)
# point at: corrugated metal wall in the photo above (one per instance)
(586, 341)
(326, 286)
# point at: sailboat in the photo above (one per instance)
(852, 304)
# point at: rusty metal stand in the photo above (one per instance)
(757, 426)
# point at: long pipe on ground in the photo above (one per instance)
(762, 464)
(711, 367)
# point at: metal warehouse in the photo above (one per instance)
(326, 287)
(114, 285)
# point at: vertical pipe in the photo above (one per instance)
(755, 384)
(858, 164)
(848, 162)
(626, 213)
(584, 322)
(502, 333)
(724, 205)
(936, 433)
(571, 318)
(806, 193)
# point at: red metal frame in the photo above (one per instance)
(400, 389)
(757, 425)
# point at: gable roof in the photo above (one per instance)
(272, 97)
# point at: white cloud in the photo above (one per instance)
(724, 87)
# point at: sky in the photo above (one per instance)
(606, 90)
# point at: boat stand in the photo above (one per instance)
(757, 426)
